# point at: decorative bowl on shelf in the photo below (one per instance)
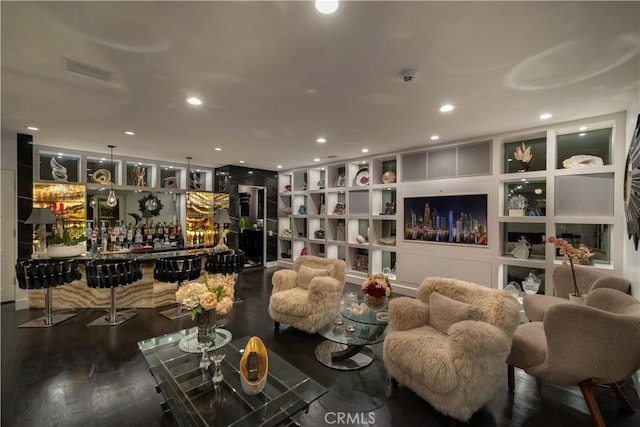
(362, 177)
(389, 177)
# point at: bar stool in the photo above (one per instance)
(177, 269)
(227, 262)
(113, 274)
(47, 274)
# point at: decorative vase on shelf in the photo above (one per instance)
(531, 284)
(374, 302)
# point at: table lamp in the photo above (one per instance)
(221, 217)
(41, 216)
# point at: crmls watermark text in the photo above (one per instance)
(337, 418)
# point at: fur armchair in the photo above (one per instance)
(450, 344)
(305, 295)
(535, 306)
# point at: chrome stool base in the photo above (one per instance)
(175, 313)
(43, 322)
(120, 317)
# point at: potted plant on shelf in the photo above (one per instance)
(581, 255)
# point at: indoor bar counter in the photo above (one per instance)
(144, 293)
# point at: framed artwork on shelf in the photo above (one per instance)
(339, 209)
(361, 263)
(340, 181)
(447, 219)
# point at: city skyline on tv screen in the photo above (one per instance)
(447, 219)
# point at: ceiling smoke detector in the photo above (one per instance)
(408, 75)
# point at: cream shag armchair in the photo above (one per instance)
(535, 306)
(449, 344)
(303, 296)
(584, 345)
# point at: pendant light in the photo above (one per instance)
(112, 200)
(188, 180)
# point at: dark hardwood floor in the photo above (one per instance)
(73, 375)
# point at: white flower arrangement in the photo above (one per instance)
(517, 202)
(215, 293)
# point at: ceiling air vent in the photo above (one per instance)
(332, 156)
(87, 70)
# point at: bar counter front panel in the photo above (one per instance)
(145, 293)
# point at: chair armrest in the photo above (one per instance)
(585, 342)
(407, 313)
(618, 283)
(613, 301)
(473, 339)
(283, 280)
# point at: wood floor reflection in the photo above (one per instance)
(72, 375)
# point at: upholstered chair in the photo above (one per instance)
(449, 344)
(304, 295)
(584, 345)
(587, 279)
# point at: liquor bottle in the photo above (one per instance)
(130, 234)
(105, 241)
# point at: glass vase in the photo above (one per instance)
(374, 302)
(206, 322)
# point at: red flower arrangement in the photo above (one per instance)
(377, 286)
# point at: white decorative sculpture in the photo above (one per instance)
(582, 161)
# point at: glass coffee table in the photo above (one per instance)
(348, 337)
(193, 400)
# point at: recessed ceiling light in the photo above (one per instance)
(523, 179)
(218, 149)
(129, 132)
(60, 154)
(545, 116)
(279, 166)
(327, 7)
(365, 150)
(321, 140)
(102, 159)
(434, 137)
(446, 108)
(194, 101)
(582, 134)
(241, 161)
(32, 128)
(321, 169)
(250, 172)
(582, 128)
(316, 159)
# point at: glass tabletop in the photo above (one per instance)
(342, 330)
(194, 401)
(362, 313)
